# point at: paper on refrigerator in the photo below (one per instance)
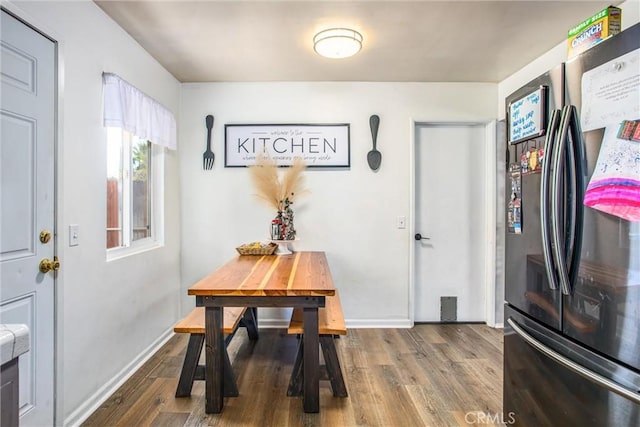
(614, 187)
(611, 92)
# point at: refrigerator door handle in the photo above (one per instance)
(557, 202)
(549, 145)
(573, 366)
(578, 181)
(571, 188)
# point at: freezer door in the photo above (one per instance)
(605, 296)
(526, 283)
(543, 386)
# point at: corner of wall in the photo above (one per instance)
(553, 57)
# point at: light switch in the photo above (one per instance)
(74, 235)
(402, 222)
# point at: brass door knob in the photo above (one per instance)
(46, 265)
(45, 236)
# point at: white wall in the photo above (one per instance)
(350, 214)
(108, 313)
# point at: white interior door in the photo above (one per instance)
(27, 126)
(450, 215)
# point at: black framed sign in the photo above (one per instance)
(319, 145)
(528, 116)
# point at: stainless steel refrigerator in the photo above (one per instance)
(572, 271)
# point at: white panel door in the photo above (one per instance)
(450, 213)
(27, 128)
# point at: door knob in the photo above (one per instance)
(46, 265)
(418, 236)
(45, 236)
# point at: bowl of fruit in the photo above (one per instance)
(257, 248)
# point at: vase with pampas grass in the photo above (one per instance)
(278, 193)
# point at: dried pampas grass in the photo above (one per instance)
(269, 187)
(293, 181)
(264, 175)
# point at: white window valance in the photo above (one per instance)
(128, 108)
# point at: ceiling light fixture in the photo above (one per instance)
(337, 43)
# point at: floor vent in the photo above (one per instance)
(448, 309)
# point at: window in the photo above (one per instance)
(138, 129)
(131, 182)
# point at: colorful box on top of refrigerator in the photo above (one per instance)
(593, 30)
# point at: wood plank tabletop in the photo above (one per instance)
(298, 274)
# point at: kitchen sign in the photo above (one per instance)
(318, 145)
(527, 116)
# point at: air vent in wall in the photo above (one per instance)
(448, 309)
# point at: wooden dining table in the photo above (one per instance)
(301, 279)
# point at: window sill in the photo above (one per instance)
(124, 252)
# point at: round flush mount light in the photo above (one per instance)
(337, 43)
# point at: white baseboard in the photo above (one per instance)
(85, 410)
(353, 323)
(378, 323)
(273, 323)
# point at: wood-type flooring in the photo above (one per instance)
(430, 375)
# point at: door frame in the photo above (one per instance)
(58, 237)
(490, 131)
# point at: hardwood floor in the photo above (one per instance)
(431, 375)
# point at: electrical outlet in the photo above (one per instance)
(402, 222)
(74, 235)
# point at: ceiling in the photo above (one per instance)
(419, 41)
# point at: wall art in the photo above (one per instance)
(319, 145)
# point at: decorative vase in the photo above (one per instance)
(289, 231)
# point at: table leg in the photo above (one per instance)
(311, 364)
(214, 360)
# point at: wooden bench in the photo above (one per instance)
(330, 324)
(193, 324)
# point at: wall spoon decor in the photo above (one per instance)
(374, 157)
